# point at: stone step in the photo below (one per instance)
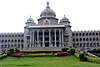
(42, 49)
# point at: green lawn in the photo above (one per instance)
(66, 61)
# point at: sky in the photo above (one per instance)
(83, 14)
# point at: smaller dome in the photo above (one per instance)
(30, 21)
(47, 12)
(64, 19)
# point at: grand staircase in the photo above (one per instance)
(33, 49)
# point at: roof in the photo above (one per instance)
(47, 26)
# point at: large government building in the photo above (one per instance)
(50, 33)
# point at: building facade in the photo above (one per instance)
(49, 32)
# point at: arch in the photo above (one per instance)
(12, 40)
(15, 35)
(8, 40)
(76, 39)
(80, 39)
(8, 45)
(22, 40)
(97, 39)
(11, 45)
(73, 39)
(87, 39)
(93, 39)
(15, 40)
(83, 39)
(40, 32)
(2, 41)
(18, 40)
(5, 40)
(86, 34)
(73, 34)
(90, 39)
(79, 34)
(76, 34)
(2, 46)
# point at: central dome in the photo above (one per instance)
(47, 12)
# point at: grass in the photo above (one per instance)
(65, 61)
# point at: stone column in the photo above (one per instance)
(59, 38)
(37, 38)
(62, 39)
(50, 39)
(43, 39)
(30, 39)
(55, 37)
(33, 40)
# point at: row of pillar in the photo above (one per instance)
(33, 43)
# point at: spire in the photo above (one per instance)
(30, 16)
(64, 15)
(47, 5)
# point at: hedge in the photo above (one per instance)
(3, 56)
(76, 55)
(92, 59)
(38, 55)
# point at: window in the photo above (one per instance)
(2, 35)
(5, 35)
(12, 35)
(76, 34)
(79, 34)
(83, 39)
(9, 35)
(18, 40)
(2, 41)
(73, 39)
(18, 35)
(80, 39)
(97, 39)
(93, 34)
(76, 39)
(89, 33)
(86, 39)
(97, 34)
(15, 40)
(5, 40)
(83, 34)
(8, 40)
(90, 39)
(15, 35)
(93, 39)
(22, 40)
(73, 34)
(86, 34)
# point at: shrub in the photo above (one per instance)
(3, 56)
(92, 59)
(62, 53)
(10, 51)
(72, 51)
(82, 57)
(65, 49)
(76, 55)
(17, 50)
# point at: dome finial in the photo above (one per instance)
(47, 5)
(64, 15)
(30, 16)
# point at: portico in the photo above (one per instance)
(42, 36)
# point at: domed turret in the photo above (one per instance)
(30, 22)
(47, 12)
(64, 20)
